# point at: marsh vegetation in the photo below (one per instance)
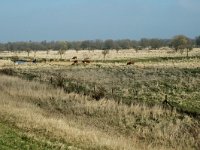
(105, 104)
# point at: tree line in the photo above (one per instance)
(177, 42)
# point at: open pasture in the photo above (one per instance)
(105, 104)
(154, 75)
(97, 54)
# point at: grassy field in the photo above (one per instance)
(97, 54)
(102, 105)
(11, 138)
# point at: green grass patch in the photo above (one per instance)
(13, 139)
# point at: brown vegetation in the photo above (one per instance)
(42, 110)
(106, 105)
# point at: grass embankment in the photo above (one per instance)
(14, 139)
(81, 122)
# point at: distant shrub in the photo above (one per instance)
(7, 71)
(14, 58)
(99, 93)
(59, 81)
(61, 59)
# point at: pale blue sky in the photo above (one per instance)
(36, 20)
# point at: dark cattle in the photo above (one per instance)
(75, 57)
(75, 62)
(86, 61)
(130, 63)
(34, 60)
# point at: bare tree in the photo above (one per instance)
(61, 52)
(105, 52)
(181, 42)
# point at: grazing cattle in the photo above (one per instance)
(130, 63)
(75, 62)
(75, 57)
(86, 61)
(34, 60)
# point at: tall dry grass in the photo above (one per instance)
(87, 124)
(133, 84)
(97, 54)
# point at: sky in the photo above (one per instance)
(37, 20)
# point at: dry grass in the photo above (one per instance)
(143, 58)
(42, 110)
(5, 63)
(97, 54)
(87, 124)
(185, 63)
(179, 79)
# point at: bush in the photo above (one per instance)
(100, 93)
(7, 71)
